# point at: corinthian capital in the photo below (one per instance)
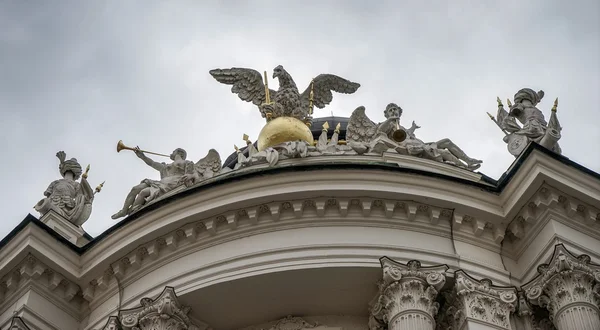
(478, 301)
(568, 286)
(164, 312)
(407, 295)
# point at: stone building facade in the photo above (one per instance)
(357, 226)
(319, 245)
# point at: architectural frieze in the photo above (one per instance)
(412, 215)
(569, 288)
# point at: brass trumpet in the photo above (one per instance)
(122, 146)
(399, 134)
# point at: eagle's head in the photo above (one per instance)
(278, 71)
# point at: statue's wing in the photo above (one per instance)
(247, 83)
(360, 128)
(324, 84)
(211, 162)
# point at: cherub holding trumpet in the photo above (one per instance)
(180, 171)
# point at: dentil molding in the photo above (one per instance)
(416, 216)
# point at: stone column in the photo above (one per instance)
(569, 287)
(408, 294)
(474, 304)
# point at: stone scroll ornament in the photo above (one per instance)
(365, 136)
(67, 197)
(172, 175)
(163, 313)
(533, 125)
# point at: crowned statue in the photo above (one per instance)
(67, 197)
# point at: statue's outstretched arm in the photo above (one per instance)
(155, 165)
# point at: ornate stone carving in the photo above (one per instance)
(292, 323)
(534, 124)
(67, 197)
(569, 287)
(287, 101)
(363, 135)
(163, 313)
(407, 296)
(112, 324)
(479, 301)
(180, 171)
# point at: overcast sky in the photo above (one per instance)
(80, 75)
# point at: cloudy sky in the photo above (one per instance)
(80, 75)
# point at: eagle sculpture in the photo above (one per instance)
(287, 100)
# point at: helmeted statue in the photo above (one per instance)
(67, 197)
(535, 128)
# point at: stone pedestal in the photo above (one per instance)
(408, 296)
(64, 228)
(568, 287)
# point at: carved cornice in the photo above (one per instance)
(31, 270)
(163, 312)
(533, 216)
(566, 280)
(478, 300)
(414, 216)
(405, 288)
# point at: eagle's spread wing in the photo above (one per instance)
(211, 162)
(323, 85)
(247, 83)
(360, 128)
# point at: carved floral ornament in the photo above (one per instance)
(565, 282)
(163, 313)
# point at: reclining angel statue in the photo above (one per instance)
(180, 171)
(361, 131)
(67, 197)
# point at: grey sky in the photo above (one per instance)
(80, 75)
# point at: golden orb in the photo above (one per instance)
(283, 129)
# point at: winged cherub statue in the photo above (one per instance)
(362, 132)
(287, 100)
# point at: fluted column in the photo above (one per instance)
(569, 287)
(477, 304)
(408, 296)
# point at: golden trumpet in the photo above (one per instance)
(399, 134)
(122, 146)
